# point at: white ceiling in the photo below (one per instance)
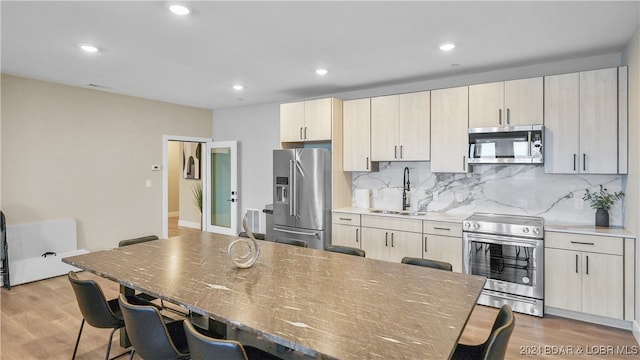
(273, 48)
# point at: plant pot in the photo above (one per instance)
(602, 218)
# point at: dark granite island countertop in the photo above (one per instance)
(324, 304)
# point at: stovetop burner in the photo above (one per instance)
(504, 224)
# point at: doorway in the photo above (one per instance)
(220, 190)
(186, 186)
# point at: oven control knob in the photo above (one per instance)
(476, 226)
(525, 230)
(536, 231)
(467, 224)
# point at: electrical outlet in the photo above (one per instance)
(578, 203)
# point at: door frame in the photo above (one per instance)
(165, 176)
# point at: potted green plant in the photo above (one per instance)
(196, 189)
(602, 201)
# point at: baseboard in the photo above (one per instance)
(174, 214)
(636, 331)
(189, 224)
(595, 319)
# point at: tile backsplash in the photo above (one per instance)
(506, 189)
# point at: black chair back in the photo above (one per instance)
(95, 308)
(202, 347)
(346, 250)
(427, 263)
(293, 242)
(149, 336)
(496, 344)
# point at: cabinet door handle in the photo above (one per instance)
(584, 162)
(367, 159)
(582, 243)
(305, 132)
(500, 117)
(301, 133)
(576, 263)
(395, 151)
(357, 234)
(401, 152)
(575, 157)
(464, 163)
(425, 244)
(587, 264)
(386, 239)
(441, 228)
(392, 241)
(508, 116)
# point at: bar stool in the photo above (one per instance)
(495, 347)
(293, 242)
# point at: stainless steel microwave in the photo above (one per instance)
(522, 144)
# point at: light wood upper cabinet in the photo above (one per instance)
(357, 135)
(599, 121)
(400, 127)
(581, 123)
(449, 123)
(292, 122)
(508, 103)
(307, 120)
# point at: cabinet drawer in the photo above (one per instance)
(442, 228)
(590, 243)
(346, 218)
(392, 223)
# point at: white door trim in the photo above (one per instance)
(165, 175)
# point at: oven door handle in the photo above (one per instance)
(500, 240)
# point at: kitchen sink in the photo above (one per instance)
(396, 212)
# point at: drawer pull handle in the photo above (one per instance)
(346, 219)
(441, 228)
(582, 243)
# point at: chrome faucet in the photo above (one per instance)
(405, 187)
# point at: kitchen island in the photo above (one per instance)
(325, 305)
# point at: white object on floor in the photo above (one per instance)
(28, 242)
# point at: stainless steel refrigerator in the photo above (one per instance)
(302, 196)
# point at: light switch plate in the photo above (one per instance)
(148, 183)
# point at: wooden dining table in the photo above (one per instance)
(325, 305)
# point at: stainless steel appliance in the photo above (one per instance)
(302, 195)
(509, 251)
(514, 145)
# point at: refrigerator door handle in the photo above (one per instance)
(292, 190)
(296, 232)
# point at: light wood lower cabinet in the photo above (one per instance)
(585, 273)
(390, 245)
(442, 241)
(345, 230)
(391, 238)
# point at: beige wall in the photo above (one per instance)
(175, 164)
(70, 152)
(632, 203)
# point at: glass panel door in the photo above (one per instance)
(221, 194)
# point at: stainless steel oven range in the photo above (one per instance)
(508, 250)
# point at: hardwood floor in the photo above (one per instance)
(40, 320)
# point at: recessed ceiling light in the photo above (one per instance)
(447, 47)
(179, 9)
(322, 72)
(238, 87)
(88, 48)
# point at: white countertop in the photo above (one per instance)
(614, 231)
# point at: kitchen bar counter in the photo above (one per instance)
(432, 216)
(300, 297)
